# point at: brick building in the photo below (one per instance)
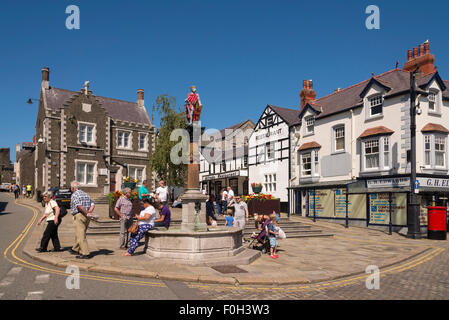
(94, 140)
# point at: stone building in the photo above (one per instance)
(95, 140)
(24, 165)
(6, 168)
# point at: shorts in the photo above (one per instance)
(240, 223)
(273, 242)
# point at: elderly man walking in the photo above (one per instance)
(124, 208)
(81, 208)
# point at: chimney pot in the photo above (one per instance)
(410, 54)
(421, 50)
(415, 52)
(307, 93)
(426, 47)
(140, 100)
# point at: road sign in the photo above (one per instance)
(416, 186)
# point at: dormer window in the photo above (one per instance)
(310, 125)
(433, 99)
(376, 105)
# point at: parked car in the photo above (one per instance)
(5, 187)
(61, 196)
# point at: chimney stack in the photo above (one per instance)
(46, 77)
(307, 93)
(420, 56)
(140, 100)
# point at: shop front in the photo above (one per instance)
(369, 202)
(237, 180)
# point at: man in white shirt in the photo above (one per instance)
(224, 201)
(162, 193)
(230, 195)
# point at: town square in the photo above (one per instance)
(232, 153)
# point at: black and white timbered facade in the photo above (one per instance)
(269, 152)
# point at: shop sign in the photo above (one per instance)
(222, 175)
(388, 183)
(269, 134)
(433, 182)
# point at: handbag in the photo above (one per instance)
(282, 234)
(134, 228)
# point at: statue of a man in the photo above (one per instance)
(193, 106)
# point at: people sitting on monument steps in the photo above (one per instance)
(177, 203)
(146, 222)
(210, 209)
(51, 213)
(164, 216)
(229, 219)
(124, 208)
(81, 208)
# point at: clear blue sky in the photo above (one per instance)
(241, 55)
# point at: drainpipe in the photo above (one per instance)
(352, 143)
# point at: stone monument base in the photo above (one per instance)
(217, 246)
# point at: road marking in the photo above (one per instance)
(14, 271)
(36, 295)
(42, 279)
(16, 243)
(7, 281)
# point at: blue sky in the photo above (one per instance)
(241, 55)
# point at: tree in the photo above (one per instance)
(170, 119)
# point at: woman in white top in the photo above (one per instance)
(146, 223)
(51, 213)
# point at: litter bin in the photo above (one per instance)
(437, 223)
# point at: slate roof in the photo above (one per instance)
(117, 109)
(397, 80)
(291, 116)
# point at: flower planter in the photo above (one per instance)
(257, 189)
(131, 185)
(264, 206)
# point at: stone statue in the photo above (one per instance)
(193, 106)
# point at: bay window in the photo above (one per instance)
(376, 154)
(435, 151)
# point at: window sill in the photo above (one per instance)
(125, 148)
(434, 113)
(338, 152)
(309, 179)
(308, 134)
(435, 169)
(373, 118)
(375, 171)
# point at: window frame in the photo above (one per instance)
(334, 138)
(94, 133)
(145, 142)
(136, 167)
(309, 121)
(83, 182)
(433, 152)
(314, 160)
(381, 144)
(130, 139)
(437, 103)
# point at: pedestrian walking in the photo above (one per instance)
(219, 203)
(29, 191)
(146, 223)
(124, 208)
(81, 207)
(241, 214)
(16, 191)
(162, 193)
(51, 214)
(24, 191)
(230, 196)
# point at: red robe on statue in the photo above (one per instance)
(191, 106)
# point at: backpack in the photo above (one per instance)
(62, 212)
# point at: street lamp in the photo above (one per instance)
(413, 210)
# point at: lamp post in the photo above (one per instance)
(413, 210)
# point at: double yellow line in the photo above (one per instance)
(18, 261)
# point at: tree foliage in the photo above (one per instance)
(170, 119)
